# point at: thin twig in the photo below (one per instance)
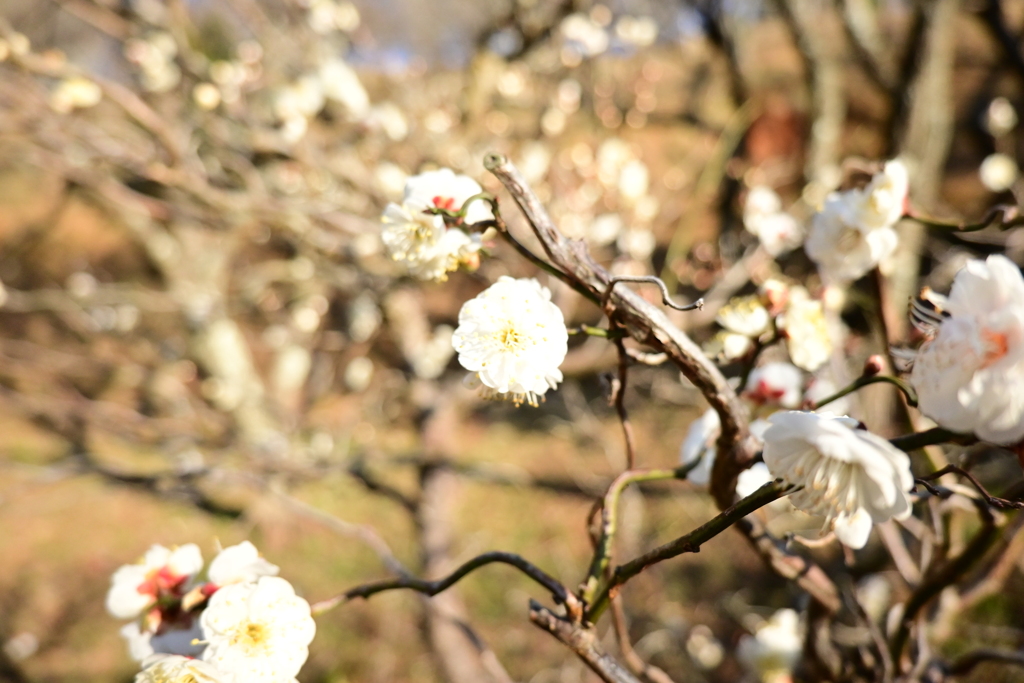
(992, 501)
(945, 575)
(651, 280)
(609, 520)
(558, 592)
(687, 543)
(633, 660)
(619, 401)
(861, 382)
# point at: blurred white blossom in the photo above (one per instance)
(161, 571)
(239, 563)
(1000, 117)
(849, 476)
(75, 93)
(970, 376)
(998, 172)
(806, 330)
(775, 383)
(699, 443)
(763, 216)
(854, 232)
(774, 649)
(513, 338)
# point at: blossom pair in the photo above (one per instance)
(244, 622)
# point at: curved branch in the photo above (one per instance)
(557, 590)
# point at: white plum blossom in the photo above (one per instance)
(854, 232)
(998, 172)
(259, 632)
(178, 669)
(168, 640)
(728, 346)
(513, 338)
(744, 319)
(763, 216)
(774, 649)
(239, 564)
(427, 246)
(970, 376)
(753, 478)
(745, 315)
(135, 587)
(852, 478)
(775, 383)
(700, 444)
(444, 189)
(806, 330)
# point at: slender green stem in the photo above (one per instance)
(1003, 217)
(591, 331)
(862, 382)
(688, 543)
(609, 520)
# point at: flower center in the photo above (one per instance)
(251, 636)
(997, 345)
(511, 339)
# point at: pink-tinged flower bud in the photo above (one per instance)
(873, 366)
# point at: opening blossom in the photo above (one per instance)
(161, 572)
(260, 632)
(806, 329)
(239, 563)
(427, 246)
(854, 232)
(969, 375)
(852, 478)
(513, 338)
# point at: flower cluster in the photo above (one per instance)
(513, 338)
(782, 310)
(854, 232)
(969, 374)
(241, 623)
(430, 245)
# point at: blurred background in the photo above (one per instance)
(202, 340)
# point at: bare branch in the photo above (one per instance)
(583, 641)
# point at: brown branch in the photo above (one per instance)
(944, 575)
(583, 641)
(633, 660)
(649, 325)
(997, 503)
(618, 397)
